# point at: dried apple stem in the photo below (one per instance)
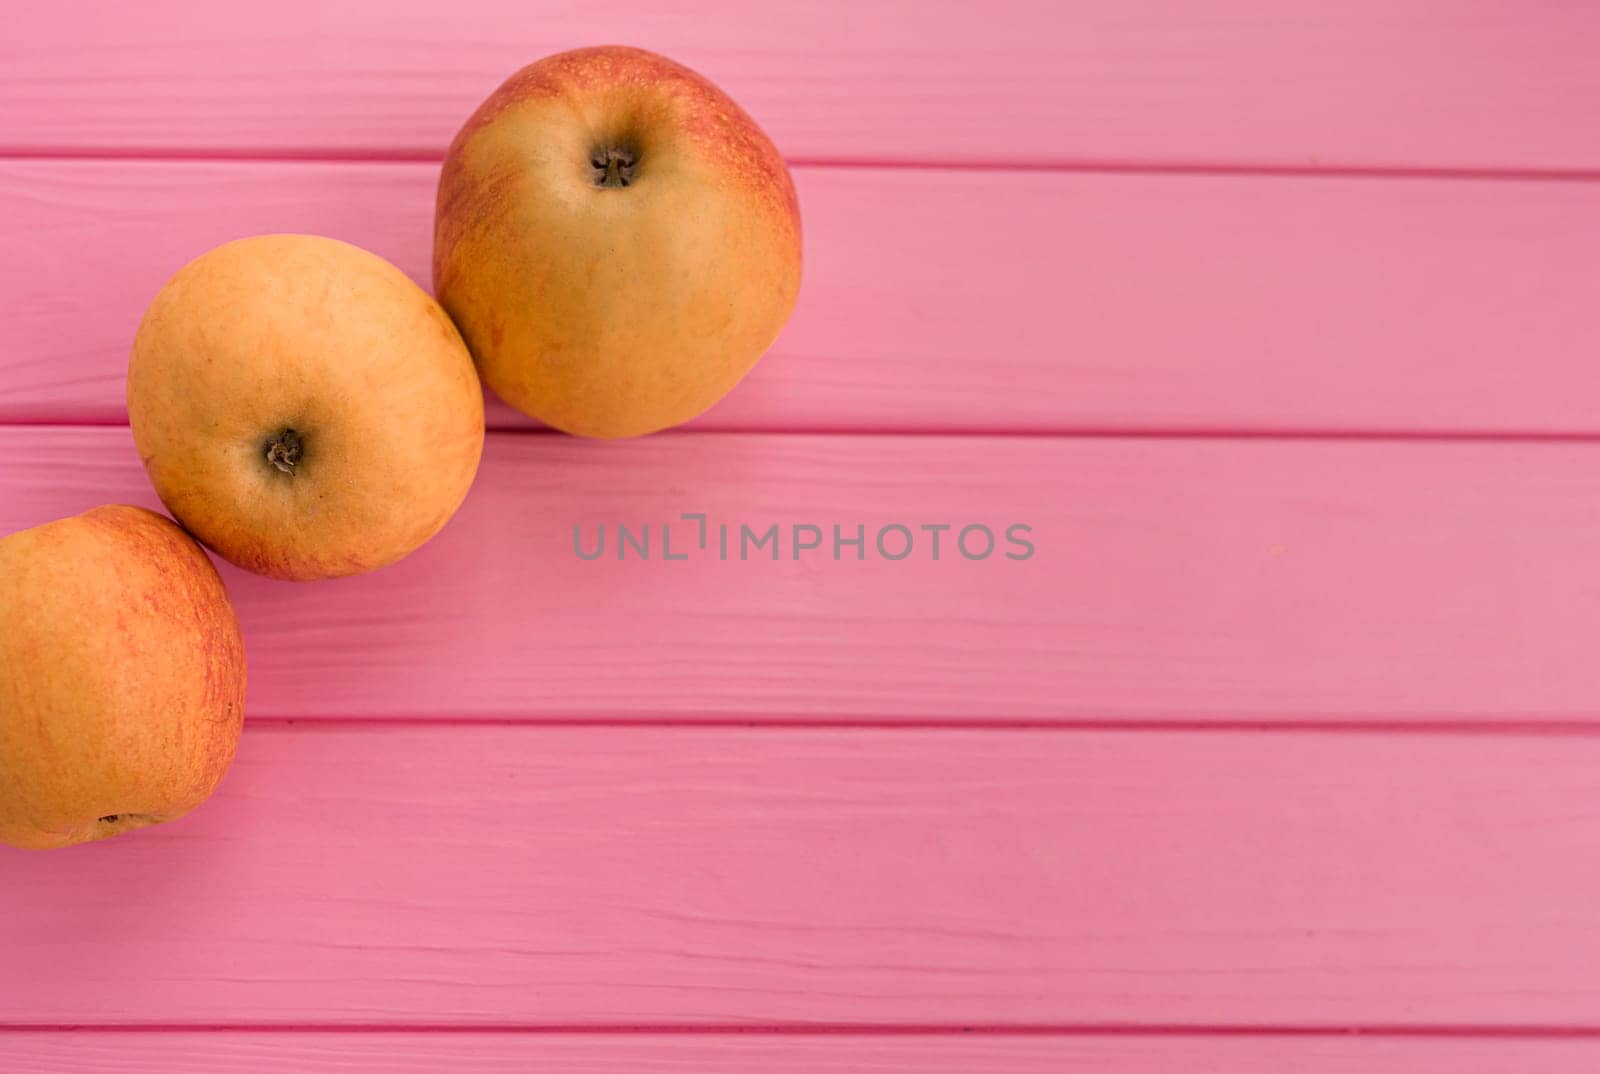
(283, 450)
(613, 167)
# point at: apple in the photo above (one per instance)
(122, 693)
(617, 241)
(304, 408)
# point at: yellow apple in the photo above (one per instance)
(121, 677)
(303, 408)
(617, 241)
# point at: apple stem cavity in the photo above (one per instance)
(613, 167)
(283, 451)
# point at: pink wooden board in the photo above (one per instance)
(239, 1052)
(982, 301)
(1191, 580)
(616, 877)
(1275, 739)
(1307, 84)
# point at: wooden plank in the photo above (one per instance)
(976, 301)
(488, 875)
(1367, 83)
(333, 1052)
(1171, 579)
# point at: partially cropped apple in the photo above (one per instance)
(617, 241)
(303, 407)
(121, 677)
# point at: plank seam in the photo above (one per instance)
(308, 155)
(1153, 433)
(1065, 1029)
(1505, 726)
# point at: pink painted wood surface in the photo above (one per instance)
(1366, 83)
(984, 301)
(614, 877)
(243, 1052)
(1242, 829)
(1172, 579)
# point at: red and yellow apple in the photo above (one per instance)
(617, 241)
(303, 407)
(122, 690)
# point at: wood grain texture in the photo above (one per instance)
(241, 1052)
(1171, 579)
(567, 876)
(1367, 83)
(954, 301)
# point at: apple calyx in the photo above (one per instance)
(284, 450)
(117, 823)
(613, 167)
(129, 820)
